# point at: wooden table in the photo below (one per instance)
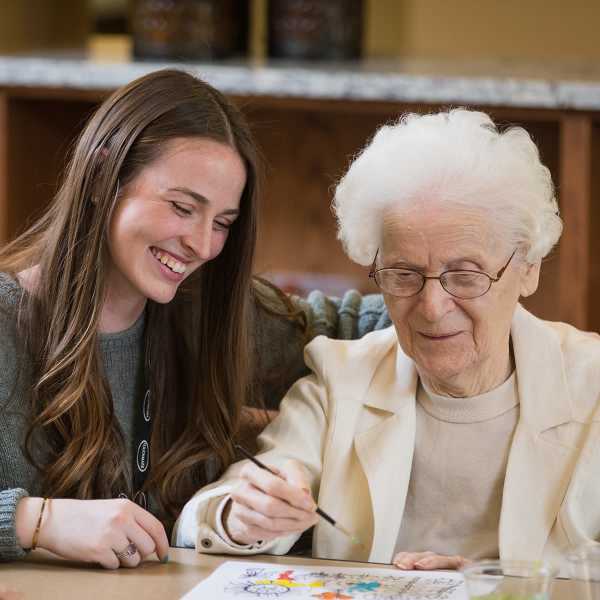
(43, 576)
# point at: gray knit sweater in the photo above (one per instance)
(123, 364)
(279, 346)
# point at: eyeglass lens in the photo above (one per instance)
(405, 283)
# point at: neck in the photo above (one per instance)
(120, 312)
(485, 377)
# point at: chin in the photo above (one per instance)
(444, 377)
(442, 371)
(161, 295)
(163, 298)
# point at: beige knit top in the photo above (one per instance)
(455, 490)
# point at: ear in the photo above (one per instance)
(530, 278)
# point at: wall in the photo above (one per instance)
(464, 29)
(32, 24)
(448, 29)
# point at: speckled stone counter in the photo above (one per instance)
(566, 86)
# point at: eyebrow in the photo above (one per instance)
(201, 199)
(450, 265)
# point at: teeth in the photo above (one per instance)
(169, 261)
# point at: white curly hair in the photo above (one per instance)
(458, 157)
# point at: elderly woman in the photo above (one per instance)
(470, 428)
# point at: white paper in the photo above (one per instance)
(253, 581)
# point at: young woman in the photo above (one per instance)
(129, 323)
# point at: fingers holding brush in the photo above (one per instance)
(289, 484)
(281, 494)
(295, 474)
(266, 506)
(246, 526)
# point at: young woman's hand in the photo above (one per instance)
(93, 530)
(428, 561)
(266, 506)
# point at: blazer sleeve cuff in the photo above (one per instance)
(213, 538)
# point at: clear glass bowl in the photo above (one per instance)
(509, 580)
(584, 570)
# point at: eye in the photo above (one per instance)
(180, 209)
(400, 276)
(465, 278)
(222, 225)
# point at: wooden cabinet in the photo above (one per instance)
(307, 144)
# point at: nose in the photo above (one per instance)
(199, 240)
(434, 301)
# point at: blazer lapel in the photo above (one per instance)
(537, 473)
(385, 448)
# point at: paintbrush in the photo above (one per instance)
(353, 538)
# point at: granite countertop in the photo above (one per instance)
(565, 86)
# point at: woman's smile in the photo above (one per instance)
(172, 268)
(439, 337)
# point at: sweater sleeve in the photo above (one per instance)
(9, 546)
(12, 477)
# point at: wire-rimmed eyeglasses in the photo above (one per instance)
(465, 284)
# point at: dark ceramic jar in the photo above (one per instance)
(315, 29)
(189, 29)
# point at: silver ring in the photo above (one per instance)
(129, 551)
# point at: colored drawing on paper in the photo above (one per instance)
(363, 586)
(256, 581)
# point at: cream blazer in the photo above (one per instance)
(352, 423)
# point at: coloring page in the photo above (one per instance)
(258, 581)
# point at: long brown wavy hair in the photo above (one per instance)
(197, 345)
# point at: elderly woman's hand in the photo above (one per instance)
(429, 561)
(265, 506)
(10, 594)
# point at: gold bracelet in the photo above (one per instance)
(36, 533)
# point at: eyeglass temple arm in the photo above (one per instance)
(501, 271)
(373, 265)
